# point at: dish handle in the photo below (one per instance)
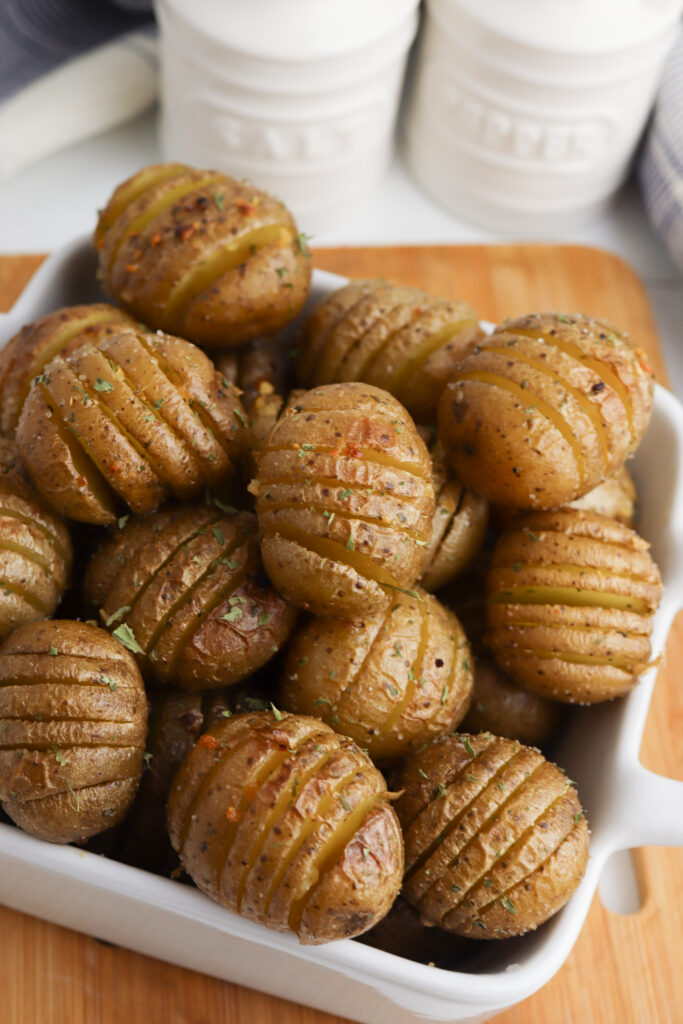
(650, 811)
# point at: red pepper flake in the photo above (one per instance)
(82, 483)
(116, 467)
(232, 814)
(248, 209)
(352, 452)
(334, 451)
(642, 361)
(132, 268)
(208, 742)
(417, 311)
(186, 232)
(155, 239)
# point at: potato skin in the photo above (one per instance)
(570, 600)
(392, 683)
(544, 409)
(60, 333)
(280, 819)
(395, 337)
(458, 526)
(36, 554)
(502, 707)
(495, 838)
(73, 717)
(344, 500)
(140, 418)
(201, 255)
(186, 586)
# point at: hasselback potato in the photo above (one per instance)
(495, 838)
(545, 409)
(199, 254)
(282, 820)
(60, 333)
(395, 337)
(344, 500)
(140, 418)
(73, 716)
(35, 549)
(392, 682)
(185, 591)
(570, 600)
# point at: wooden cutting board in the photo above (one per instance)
(624, 969)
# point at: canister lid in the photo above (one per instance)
(291, 30)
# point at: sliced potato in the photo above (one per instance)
(495, 838)
(287, 823)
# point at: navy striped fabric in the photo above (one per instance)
(37, 35)
(661, 163)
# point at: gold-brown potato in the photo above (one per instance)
(26, 355)
(344, 500)
(502, 707)
(545, 409)
(570, 601)
(495, 838)
(201, 255)
(395, 337)
(287, 823)
(138, 419)
(458, 526)
(185, 591)
(35, 549)
(392, 682)
(73, 717)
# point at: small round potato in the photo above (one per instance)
(287, 823)
(201, 255)
(545, 409)
(391, 683)
(26, 355)
(615, 498)
(458, 526)
(502, 707)
(395, 337)
(495, 838)
(35, 549)
(184, 590)
(344, 500)
(73, 717)
(570, 601)
(140, 418)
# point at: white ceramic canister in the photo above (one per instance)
(524, 116)
(299, 96)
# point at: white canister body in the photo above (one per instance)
(310, 119)
(524, 117)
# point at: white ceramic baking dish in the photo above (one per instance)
(627, 806)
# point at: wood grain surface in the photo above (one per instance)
(623, 969)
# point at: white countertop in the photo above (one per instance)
(54, 200)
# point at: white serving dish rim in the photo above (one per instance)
(490, 990)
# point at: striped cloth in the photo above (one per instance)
(661, 163)
(37, 35)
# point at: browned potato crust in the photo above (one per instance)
(545, 409)
(201, 255)
(282, 820)
(35, 549)
(26, 355)
(185, 591)
(73, 718)
(458, 526)
(140, 418)
(570, 600)
(392, 683)
(502, 707)
(495, 838)
(344, 500)
(395, 337)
